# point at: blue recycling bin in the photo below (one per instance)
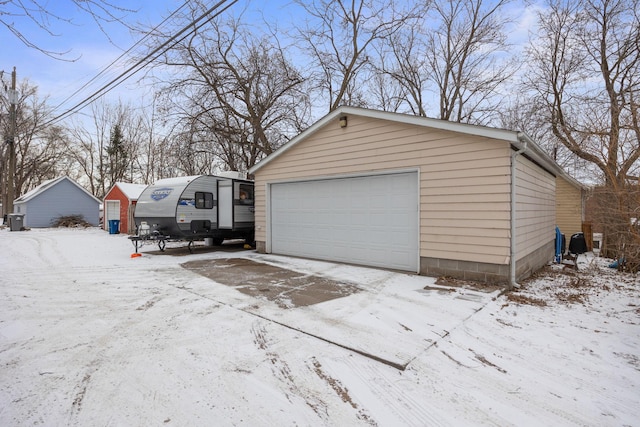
(114, 226)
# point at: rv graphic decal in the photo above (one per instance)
(161, 193)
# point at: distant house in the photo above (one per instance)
(120, 202)
(416, 194)
(54, 199)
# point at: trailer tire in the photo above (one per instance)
(218, 241)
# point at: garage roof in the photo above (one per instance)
(48, 184)
(515, 138)
(130, 191)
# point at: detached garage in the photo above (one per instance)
(410, 193)
(54, 199)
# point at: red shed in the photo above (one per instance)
(119, 203)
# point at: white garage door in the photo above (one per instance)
(111, 211)
(369, 220)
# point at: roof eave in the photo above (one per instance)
(534, 151)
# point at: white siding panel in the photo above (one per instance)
(536, 207)
(569, 213)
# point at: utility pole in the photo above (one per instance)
(13, 100)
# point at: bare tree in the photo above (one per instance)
(402, 58)
(338, 37)
(38, 149)
(150, 150)
(237, 97)
(463, 56)
(585, 72)
(521, 113)
(40, 13)
(456, 53)
(87, 147)
(104, 149)
(386, 94)
(136, 131)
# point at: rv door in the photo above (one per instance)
(225, 204)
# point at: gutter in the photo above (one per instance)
(523, 139)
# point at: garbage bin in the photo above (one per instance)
(16, 222)
(114, 226)
(577, 244)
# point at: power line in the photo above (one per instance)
(112, 64)
(144, 61)
(188, 29)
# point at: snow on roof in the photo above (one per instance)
(132, 191)
(29, 194)
(48, 184)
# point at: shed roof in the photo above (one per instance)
(131, 191)
(49, 184)
(517, 139)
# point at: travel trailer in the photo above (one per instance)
(196, 208)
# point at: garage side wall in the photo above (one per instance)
(535, 217)
(569, 211)
(464, 185)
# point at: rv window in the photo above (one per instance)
(246, 194)
(204, 200)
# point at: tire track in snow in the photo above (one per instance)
(387, 391)
(282, 372)
(83, 384)
(480, 361)
(341, 391)
(76, 290)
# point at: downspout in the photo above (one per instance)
(512, 258)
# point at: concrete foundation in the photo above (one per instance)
(478, 271)
(488, 273)
(465, 270)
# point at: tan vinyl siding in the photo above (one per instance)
(535, 209)
(464, 180)
(568, 207)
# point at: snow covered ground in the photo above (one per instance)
(92, 337)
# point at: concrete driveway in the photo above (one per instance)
(348, 306)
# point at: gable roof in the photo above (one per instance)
(131, 191)
(517, 139)
(49, 184)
